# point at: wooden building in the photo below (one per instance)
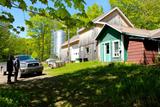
(113, 38)
(88, 45)
(119, 43)
(73, 52)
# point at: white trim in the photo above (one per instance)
(122, 47)
(104, 53)
(99, 51)
(104, 27)
(104, 50)
(113, 48)
(158, 47)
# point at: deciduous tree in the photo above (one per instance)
(142, 13)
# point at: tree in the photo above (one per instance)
(11, 44)
(4, 36)
(40, 31)
(57, 10)
(92, 12)
(142, 13)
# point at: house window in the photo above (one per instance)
(107, 48)
(116, 45)
(87, 50)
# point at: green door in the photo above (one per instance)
(107, 51)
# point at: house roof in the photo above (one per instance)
(98, 19)
(134, 31)
(156, 33)
(73, 39)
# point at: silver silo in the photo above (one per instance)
(58, 38)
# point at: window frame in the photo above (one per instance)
(115, 54)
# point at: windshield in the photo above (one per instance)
(25, 57)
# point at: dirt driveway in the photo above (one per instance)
(3, 78)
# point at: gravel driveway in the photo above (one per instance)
(3, 78)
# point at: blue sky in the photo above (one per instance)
(20, 16)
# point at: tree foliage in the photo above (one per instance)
(57, 10)
(92, 12)
(10, 43)
(142, 13)
(4, 35)
(40, 32)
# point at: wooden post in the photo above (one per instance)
(68, 46)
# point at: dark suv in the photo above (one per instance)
(29, 65)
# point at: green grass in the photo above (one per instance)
(89, 84)
(72, 67)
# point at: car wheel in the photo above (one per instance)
(50, 65)
(39, 73)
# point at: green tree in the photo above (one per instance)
(58, 9)
(92, 12)
(40, 31)
(142, 13)
(4, 36)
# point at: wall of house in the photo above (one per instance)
(135, 51)
(116, 19)
(142, 51)
(109, 34)
(151, 51)
(87, 44)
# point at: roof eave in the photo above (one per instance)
(69, 43)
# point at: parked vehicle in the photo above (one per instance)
(50, 61)
(29, 65)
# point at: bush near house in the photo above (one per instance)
(92, 84)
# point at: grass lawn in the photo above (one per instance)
(72, 67)
(89, 84)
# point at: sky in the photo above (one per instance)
(21, 16)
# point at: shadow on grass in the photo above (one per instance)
(115, 85)
(32, 75)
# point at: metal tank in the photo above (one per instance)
(58, 38)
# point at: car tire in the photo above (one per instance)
(39, 73)
(50, 65)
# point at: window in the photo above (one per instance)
(116, 49)
(107, 48)
(87, 50)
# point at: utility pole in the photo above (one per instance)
(68, 46)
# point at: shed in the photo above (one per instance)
(119, 43)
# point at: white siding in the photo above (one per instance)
(74, 52)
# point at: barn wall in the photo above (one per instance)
(74, 52)
(63, 54)
(87, 40)
(135, 51)
(116, 19)
(151, 50)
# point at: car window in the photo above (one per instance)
(21, 58)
